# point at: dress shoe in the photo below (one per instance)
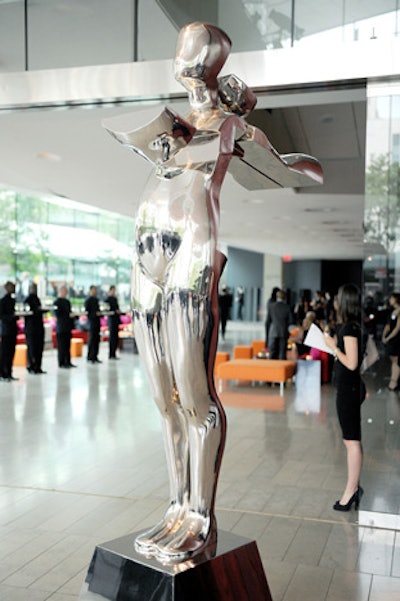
(71, 365)
(97, 361)
(40, 371)
(354, 499)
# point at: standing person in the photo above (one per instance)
(318, 305)
(391, 340)
(34, 331)
(272, 299)
(113, 322)
(65, 320)
(350, 388)
(225, 304)
(9, 332)
(92, 309)
(240, 301)
(279, 318)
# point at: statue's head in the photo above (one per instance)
(201, 52)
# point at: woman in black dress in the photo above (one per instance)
(391, 340)
(350, 388)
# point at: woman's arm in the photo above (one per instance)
(384, 333)
(394, 332)
(348, 357)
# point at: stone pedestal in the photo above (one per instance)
(233, 573)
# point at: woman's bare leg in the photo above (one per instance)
(354, 463)
(395, 372)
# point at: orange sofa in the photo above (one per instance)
(257, 370)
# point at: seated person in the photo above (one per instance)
(301, 333)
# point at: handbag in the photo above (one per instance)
(371, 355)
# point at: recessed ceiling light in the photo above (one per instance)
(253, 201)
(318, 210)
(327, 119)
(49, 156)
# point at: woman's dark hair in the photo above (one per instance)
(396, 297)
(349, 303)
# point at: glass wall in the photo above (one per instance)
(48, 34)
(382, 202)
(51, 241)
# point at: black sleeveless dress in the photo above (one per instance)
(350, 388)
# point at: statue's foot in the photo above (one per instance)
(196, 535)
(146, 543)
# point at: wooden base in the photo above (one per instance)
(233, 573)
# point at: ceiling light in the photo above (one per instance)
(48, 156)
(327, 119)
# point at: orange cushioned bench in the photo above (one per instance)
(242, 351)
(221, 357)
(257, 370)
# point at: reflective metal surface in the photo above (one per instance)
(177, 267)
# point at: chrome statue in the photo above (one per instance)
(177, 267)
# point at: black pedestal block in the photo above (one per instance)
(233, 573)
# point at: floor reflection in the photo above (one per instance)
(250, 400)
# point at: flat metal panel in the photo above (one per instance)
(12, 37)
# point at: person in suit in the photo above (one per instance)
(240, 301)
(34, 331)
(225, 300)
(278, 331)
(9, 332)
(92, 309)
(65, 319)
(272, 299)
(113, 322)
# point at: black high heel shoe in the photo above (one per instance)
(354, 499)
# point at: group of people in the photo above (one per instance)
(92, 309)
(65, 319)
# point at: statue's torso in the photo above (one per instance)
(176, 212)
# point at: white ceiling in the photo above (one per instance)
(318, 222)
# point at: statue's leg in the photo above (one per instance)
(191, 325)
(149, 328)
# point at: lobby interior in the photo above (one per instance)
(82, 459)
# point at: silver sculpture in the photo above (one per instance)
(177, 267)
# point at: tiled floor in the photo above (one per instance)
(82, 462)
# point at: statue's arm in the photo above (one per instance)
(158, 140)
(256, 164)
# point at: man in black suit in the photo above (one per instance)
(92, 309)
(34, 331)
(9, 332)
(278, 321)
(113, 322)
(63, 327)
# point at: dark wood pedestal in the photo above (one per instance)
(233, 573)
